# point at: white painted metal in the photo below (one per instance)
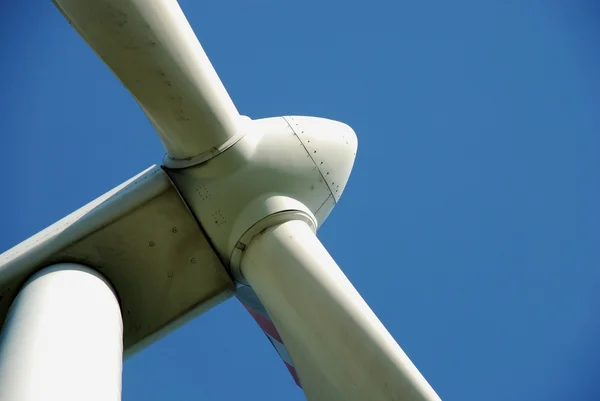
(152, 49)
(62, 339)
(294, 165)
(332, 147)
(143, 238)
(340, 349)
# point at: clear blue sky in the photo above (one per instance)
(471, 221)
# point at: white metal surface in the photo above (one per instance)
(332, 147)
(152, 49)
(63, 339)
(274, 170)
(143, 238)
(340, 349)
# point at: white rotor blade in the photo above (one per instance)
(340, 349)
(152, 49)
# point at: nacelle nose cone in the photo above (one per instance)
(332, 145)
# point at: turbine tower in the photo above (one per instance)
(232, 211)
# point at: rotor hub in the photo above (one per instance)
(284, 168)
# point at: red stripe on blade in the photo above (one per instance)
(264, 323)
(293, 373)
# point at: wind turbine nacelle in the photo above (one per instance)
(283, 168)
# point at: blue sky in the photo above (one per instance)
(471, 221)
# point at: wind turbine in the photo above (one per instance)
(232, 211)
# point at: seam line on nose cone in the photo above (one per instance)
(313, 160)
